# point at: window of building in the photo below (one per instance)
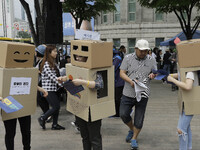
(131, 45)
(117, 12)
(158, 40)
(103, 39)
(104, 17)
(131, 10)
(159, 16)
(116, 43)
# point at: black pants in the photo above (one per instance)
(118, 95)
(54, 102)
(90, 133)
(42, 102)
(10, 131)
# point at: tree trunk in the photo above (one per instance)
(30, 21)
(40, 25)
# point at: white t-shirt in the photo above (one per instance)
(193, 76)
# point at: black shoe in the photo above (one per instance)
(42, 122)
(57, 127)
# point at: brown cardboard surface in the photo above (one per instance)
(99, 107)
(28, 100)
(16, 55)
(190, 98)
(188, 53)
(99, 53)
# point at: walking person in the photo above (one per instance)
(41, 100)
(184, 128)
(136, 66)
(50, 72)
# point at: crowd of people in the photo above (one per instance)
(129, 69)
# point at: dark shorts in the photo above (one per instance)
(126, 106)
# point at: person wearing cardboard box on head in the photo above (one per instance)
(50, 72)
(25, 126)
(184, 129)
(136, 66)
(90, 131)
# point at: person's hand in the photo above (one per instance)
(170, 78)
(132, 84)
(44, 92)
(61, 79)
(78, 82)
(152, 76)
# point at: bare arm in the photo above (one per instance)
(124, 76)
(174, 75)
(89, 84)
(187, 85)
(62, 79)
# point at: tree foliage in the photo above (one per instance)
(85, 10)
(182, 9)
(22, 34)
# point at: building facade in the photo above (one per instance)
(131, 22)
(13, 18)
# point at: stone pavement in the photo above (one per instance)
(158, 133)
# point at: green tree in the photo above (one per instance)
(22, 34)
(84, 10)
(182, 9)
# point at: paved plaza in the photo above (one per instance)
(158, 133)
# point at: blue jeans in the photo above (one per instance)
(185, 139)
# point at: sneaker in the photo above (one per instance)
(42, 122)
(57, 127)
(75, 126)
(134, 145)
(129, 136)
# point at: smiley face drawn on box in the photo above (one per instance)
(91, 54)
(17, 55)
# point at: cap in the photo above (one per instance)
(40, 49)
(142, 44)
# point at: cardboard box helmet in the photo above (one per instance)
(16, 55)
(96, 54)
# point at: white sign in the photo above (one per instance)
(20, 86)
(87, 35)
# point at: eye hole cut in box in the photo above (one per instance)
(104, 91)
(83, 48)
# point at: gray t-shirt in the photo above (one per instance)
(138, 69)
